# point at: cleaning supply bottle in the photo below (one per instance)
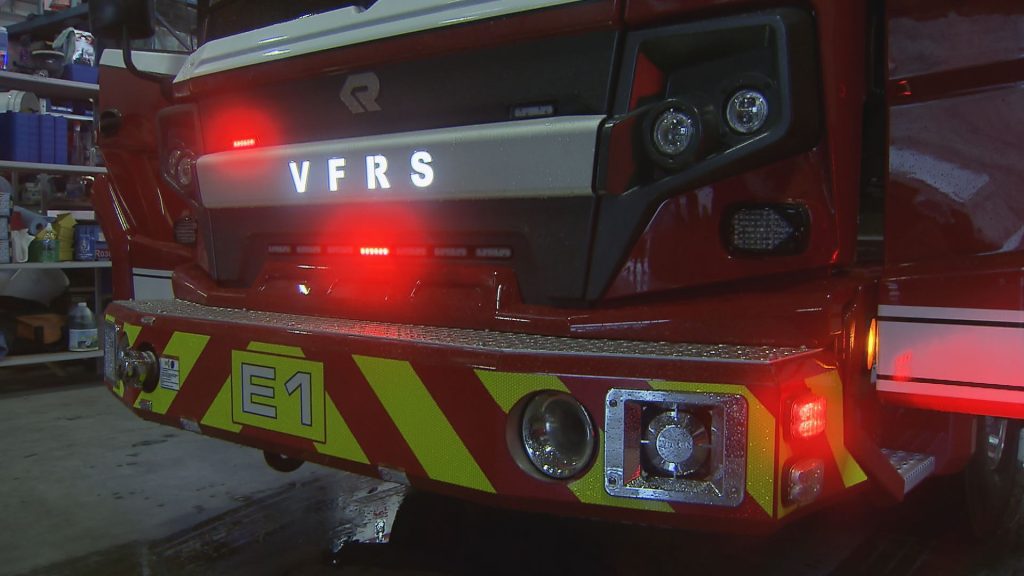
(82, 334)
(3, 48)
(49, 246)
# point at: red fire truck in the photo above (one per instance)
(709, 264)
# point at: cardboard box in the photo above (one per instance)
(41, 328)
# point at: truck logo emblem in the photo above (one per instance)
(360, 92)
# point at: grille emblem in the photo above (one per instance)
(359, 93)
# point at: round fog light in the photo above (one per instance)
(747, 111)
(557, 434)
(672, 133)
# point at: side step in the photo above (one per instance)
(913, 467)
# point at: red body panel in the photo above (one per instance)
(952, 240)
(954, 215)
(136, 207)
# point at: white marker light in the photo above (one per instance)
(747, 111)
(376, 166)
(423, 174)
(673, 132)
(300, 176)
(335, 172)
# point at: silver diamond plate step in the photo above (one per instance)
(467, 338)
(913, 467)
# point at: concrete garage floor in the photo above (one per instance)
(88, 488)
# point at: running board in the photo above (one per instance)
(911, 466)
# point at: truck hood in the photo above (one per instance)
(345, 27)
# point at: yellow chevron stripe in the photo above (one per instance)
(187, 348)
(340, 440)
(590, 489)
(422, 423)
(785, 453)
(218, 415)
(132, 332)
(507, 388)
(830, 386)
(278, 349)
(760, 437)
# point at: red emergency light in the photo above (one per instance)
(807, 416)
(374, 251)
(243, 143)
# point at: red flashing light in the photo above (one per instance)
(807, 416)
(243, 143)
(374, 251)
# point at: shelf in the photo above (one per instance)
(26, 359)
(79, 117)
(48, 24)
(51, 265)
(52, 87)
(52, 168)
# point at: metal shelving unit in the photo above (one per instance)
(52, 87)
(28, 359)
(64, 356)
(50, 265)
(52, 168)
(65, 89)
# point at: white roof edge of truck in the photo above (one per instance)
(345, 27)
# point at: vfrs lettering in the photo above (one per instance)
(421, 173)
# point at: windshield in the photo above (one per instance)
(229, 17)
(175, 23)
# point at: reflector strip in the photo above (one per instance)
(830, 387)
(218, 415)
(507, 388)
(422, 423)
(590, 488)
(185, 348)
(340, 440)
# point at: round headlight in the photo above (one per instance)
(557, 435)
(747, 111)
(672, 132)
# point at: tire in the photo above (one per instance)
(280, 462)
(995, 484)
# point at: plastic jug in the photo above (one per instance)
(82, 333)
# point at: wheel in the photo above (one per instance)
(280, 462)
(995, 481)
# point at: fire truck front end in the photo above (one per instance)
(584, 257)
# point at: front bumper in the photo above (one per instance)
(431, 406)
